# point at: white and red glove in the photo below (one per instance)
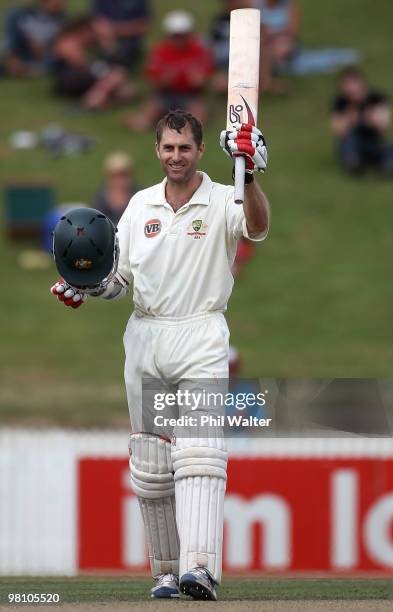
(70, 296)
(245, 139)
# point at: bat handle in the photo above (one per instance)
(240, 170)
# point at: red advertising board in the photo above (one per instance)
(296, 514)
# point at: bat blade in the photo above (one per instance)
(243, 79)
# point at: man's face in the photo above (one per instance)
(354, 88)
(179, 154)
(119, 179)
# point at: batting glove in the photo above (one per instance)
(70, 296)
(245, 139)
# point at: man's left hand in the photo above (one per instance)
(246, 139)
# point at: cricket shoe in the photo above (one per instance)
(167, 587)
(198, 583)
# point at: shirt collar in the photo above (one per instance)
(201, 195)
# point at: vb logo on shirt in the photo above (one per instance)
(152, 228)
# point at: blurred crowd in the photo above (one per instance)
(97, 58)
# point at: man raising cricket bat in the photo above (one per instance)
(176, 244)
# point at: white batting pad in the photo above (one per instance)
(152, 481)
(200, 481)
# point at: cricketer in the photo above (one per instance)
(175, 244)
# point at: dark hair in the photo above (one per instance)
(375, 98)
(351, 71)
(177, 120)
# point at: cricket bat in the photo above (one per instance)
(243, 80)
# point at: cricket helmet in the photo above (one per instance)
(85, 247)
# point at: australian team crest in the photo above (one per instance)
(196, 225)
(197, 229)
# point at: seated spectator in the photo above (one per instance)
(30, 32)
(280, 21)
(349, 101)
(120, 26)
(95, 84)
(119, 186)
(178, 68)
(360, 121)
(219, 41)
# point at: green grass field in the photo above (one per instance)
(315, 301)
(77, 590)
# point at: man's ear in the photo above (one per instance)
(157, 150)
(201, 149)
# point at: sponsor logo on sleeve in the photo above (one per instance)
(152, 228)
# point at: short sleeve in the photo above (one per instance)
(236, 221)
(123, 234)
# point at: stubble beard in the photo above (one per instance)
(184, 178)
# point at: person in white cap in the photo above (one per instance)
(177, 244)
(179, 68)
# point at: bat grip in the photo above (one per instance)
(240, 170)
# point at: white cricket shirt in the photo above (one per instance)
(180, 262)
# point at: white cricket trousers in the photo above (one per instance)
(179, 353)
(172, 350)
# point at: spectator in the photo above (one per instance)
(113, 197)
(219, 41)
(95, 84)
(120, 26)
(178, 67)
(30, 32)
(280, 21)
(360, 121)
(349, 101)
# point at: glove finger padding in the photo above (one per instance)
(70, 296)
(246, 139)
(244, 136)
(78, 300)
(58, 288)
(224, 142)
(245, 146)
(260, 158)
(256, 157)
(247, 127)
